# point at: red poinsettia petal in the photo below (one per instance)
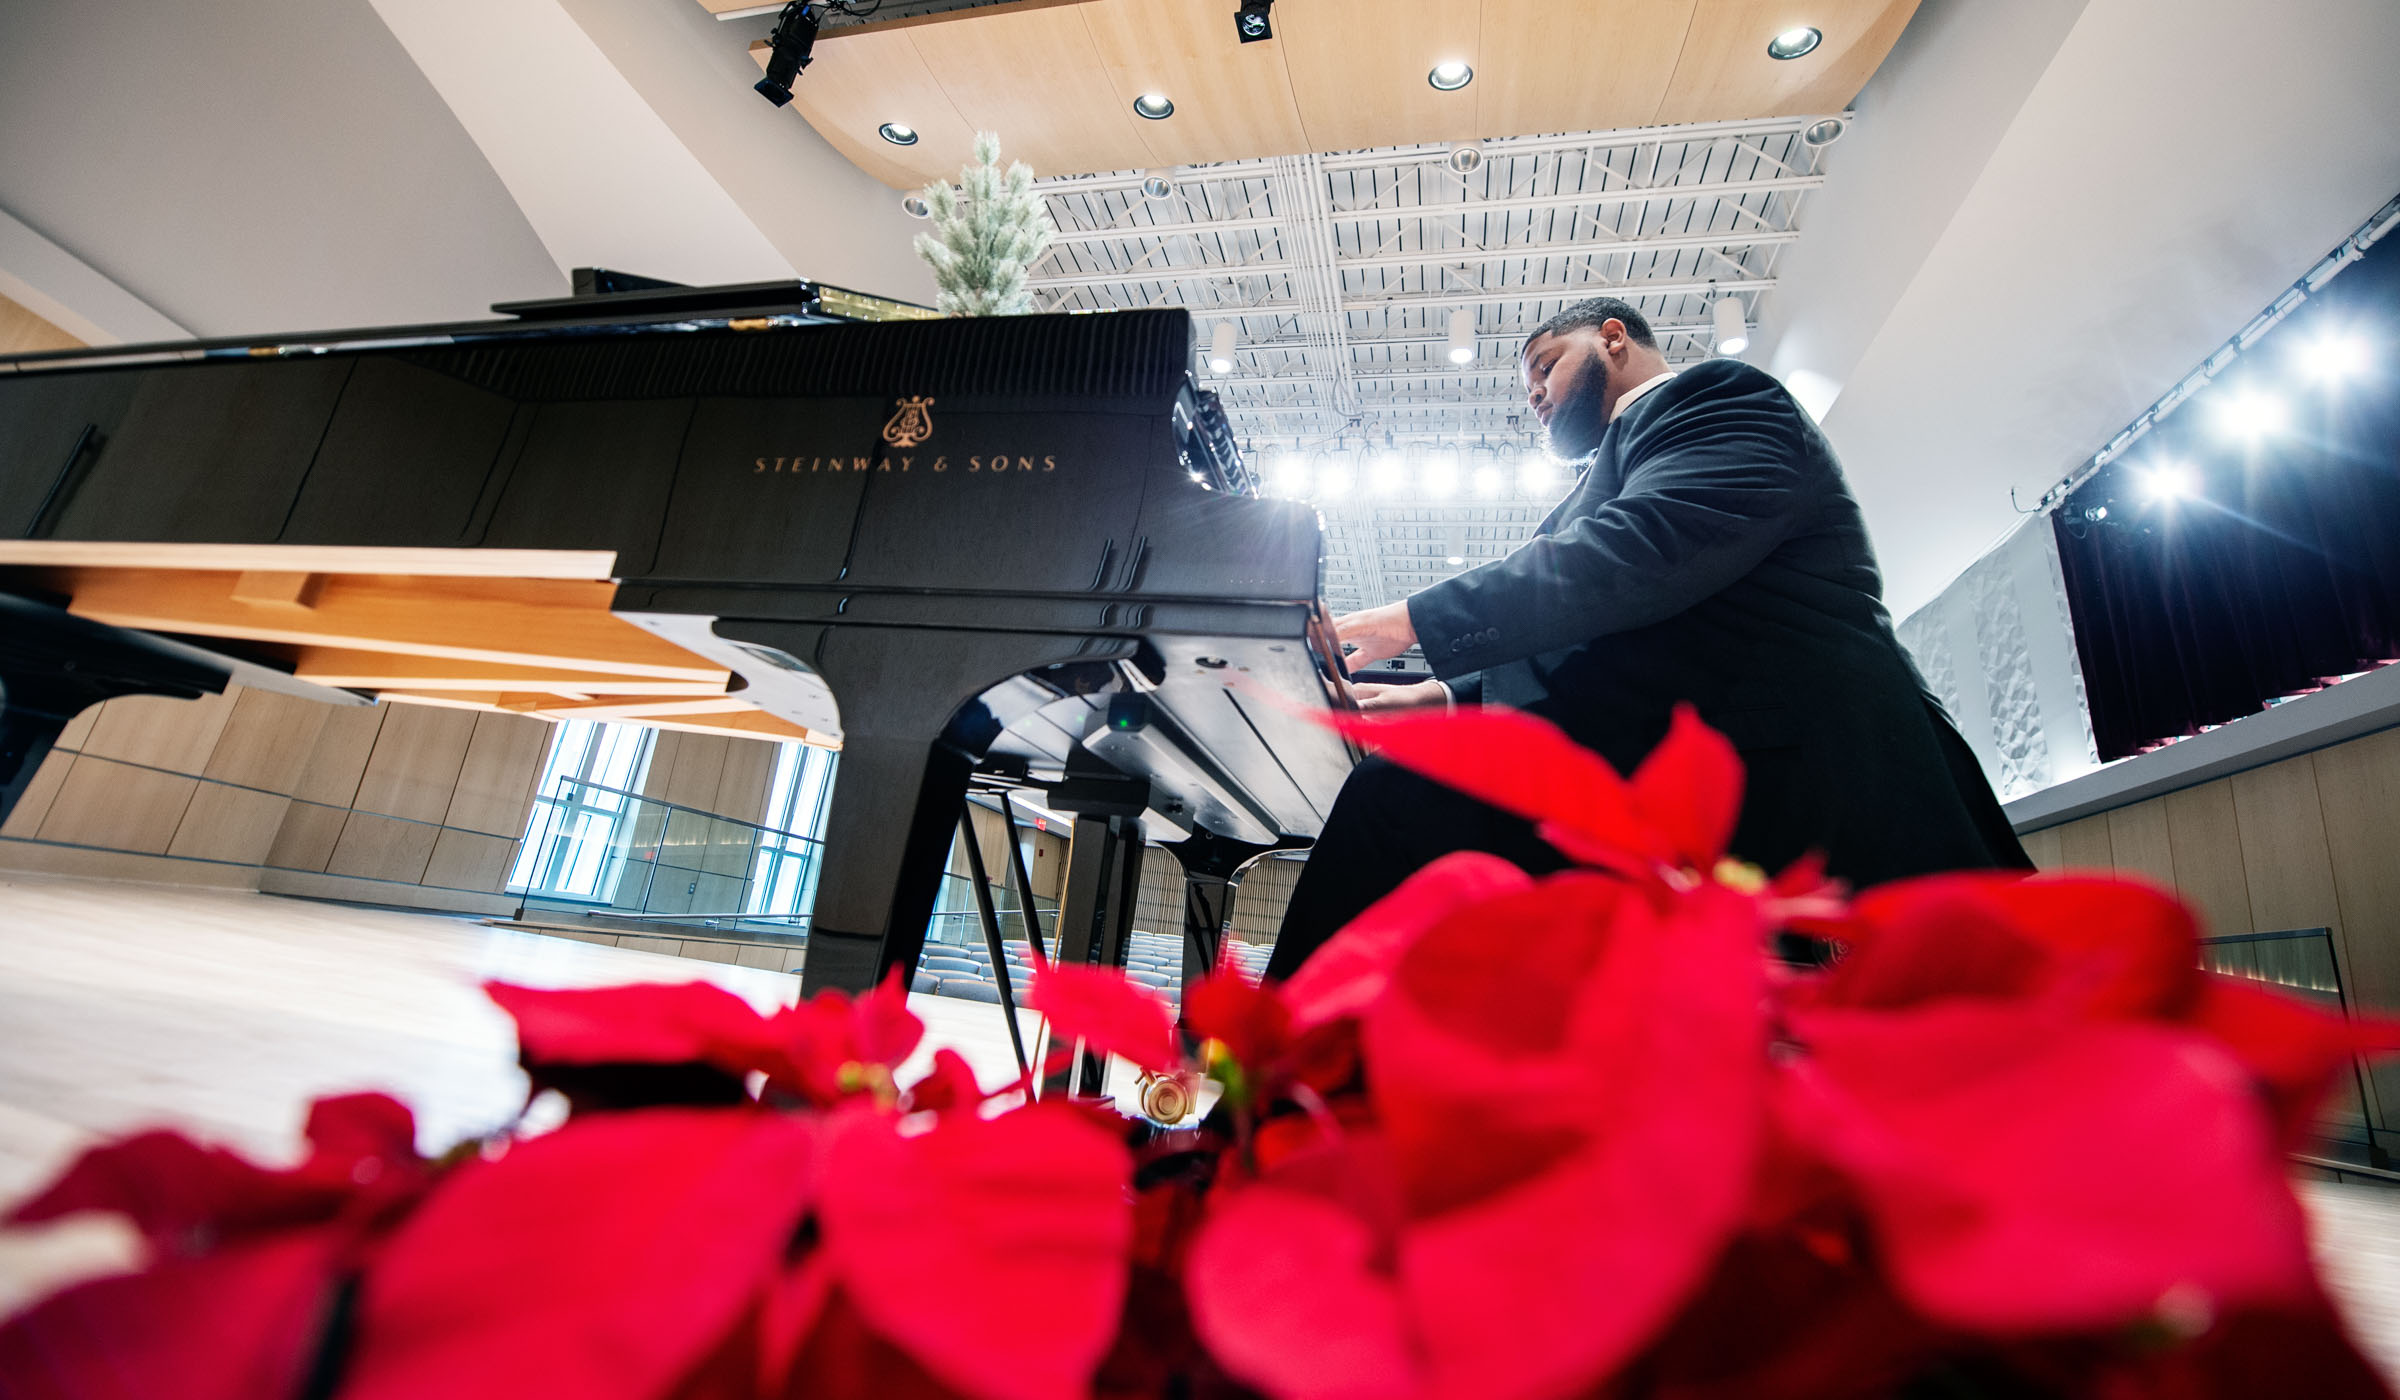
(885, 1030)
(1285, 1293)
(948, 1087)
(1252, 1022)
(171, 1188)
(1519, 763)
(2012, 1162)
(2297, 1051)
(603, 1260)
(1546, 1286)
(241, 1323)
(362, 1127)
(847, 1359)
(1351, 971)
(1108, 1011)
(1032, 1206)
(2108, 946)
(647, 1023)
(1689, 790)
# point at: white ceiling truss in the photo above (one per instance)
(1340, 273)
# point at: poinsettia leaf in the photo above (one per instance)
(1286, 1293)
(1109, 1012)
(240, 1323)
(1542, 1285)
(2296, 1050)
(181, 1194)
(1031, 1205)
(604, 1260)
(1350, 972)
(946, 1088)
(669, 1023)
(1519, 763)
(823, 1042)
(885, 1030)
(2108, 946)
(1252, 1022)
(2028, 1170)
(1689, 790)
(361, 1127)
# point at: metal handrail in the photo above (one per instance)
(681, 807)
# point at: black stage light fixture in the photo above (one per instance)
(1251, 21)
(793, 41)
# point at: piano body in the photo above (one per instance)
(1015, 551)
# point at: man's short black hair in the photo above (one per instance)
(1592, 313)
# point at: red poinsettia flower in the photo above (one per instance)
(1569, 1083)
(1673, 818)
(1108, 1012)
(245, 1262)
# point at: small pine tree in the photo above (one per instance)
(985, 235)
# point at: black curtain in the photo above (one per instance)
(2282, 570)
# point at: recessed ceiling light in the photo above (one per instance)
(1157, 106)
(1451, 76)
(1465, 158)
(916, 206)
(1795, 43)
(897, 134)
(1158, 184)
(1823, 133)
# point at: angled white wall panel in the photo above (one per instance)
(62, 289)
(599, 175)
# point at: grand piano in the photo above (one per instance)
(1013, 552)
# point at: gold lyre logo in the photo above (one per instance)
(912, 424)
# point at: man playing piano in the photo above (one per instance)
(1709, 552)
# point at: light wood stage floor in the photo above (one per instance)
(128, 1006)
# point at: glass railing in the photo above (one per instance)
(2300, 962)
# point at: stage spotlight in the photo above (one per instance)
(2095, 514)
(1220, 348)
(1818, 134)
(1290, 475)
(2250, 415)
(1390, 477)
(1441, 475)
(2168, 482)
(1250, 22)
(1462, 335)
(792, 45)
(1731, 327)
(1487, 481)
(916, 206)
(897, 134)
(1795, 43)
(1465, 158)
(1158, 184)
(1451, 76)
(2335, 357)
(1156, 106)
(1537, 474)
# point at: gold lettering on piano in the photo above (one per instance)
(911, 424)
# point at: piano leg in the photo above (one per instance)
(1095, 913)
(1213, 867)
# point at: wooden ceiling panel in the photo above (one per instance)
(871, 77)
(1726, 73)
(1232, 100)
(1358, 70)
(1593, 66)
(1032, 76)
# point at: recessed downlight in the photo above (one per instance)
(1795, 43)
(916, 206)
(1156, 106)
(1451, 76)
(1158, 184)
(897, 134)
(1824, 132)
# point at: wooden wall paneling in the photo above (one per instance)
(2137, 835)
(1232, 100)
(2358, 789)
(1358, 70)
(159, 732)
(663, 745)
(1724, 71)
(339, 759)
(267, 740)
(118, 806)
(79, 728)
(306, 838)
(699, 765)
(468, 860)
(504, 754)
(1033, 76)
(2043, 847)
(232, 824)
(2207, 845)
(742, 790)
(24, 333)
(1594, 66)
(373, 847)
(2284, 856)
(33, 804)
(414, 768)
(2084, 845)
(861, 80)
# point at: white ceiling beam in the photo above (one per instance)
(1429, 257)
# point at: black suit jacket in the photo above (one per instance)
(1712, 553)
